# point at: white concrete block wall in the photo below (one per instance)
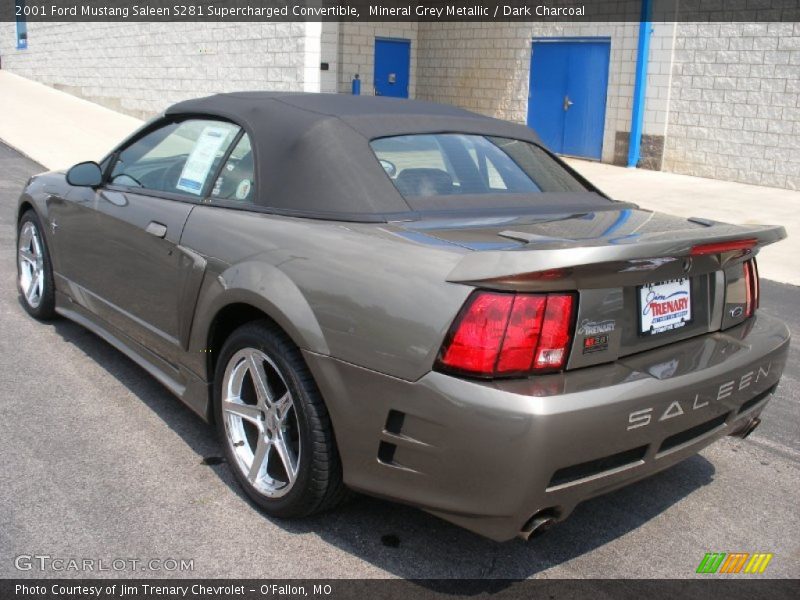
(735, 103)
(141, 68)
(329, 53)
(659, 77)
(485, 67)
(312, 55)
(357, 52)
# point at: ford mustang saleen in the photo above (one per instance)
(404, 299)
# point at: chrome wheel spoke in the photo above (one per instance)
(28, 256)
(287, 457)
(33, 288)
(282, 407)
(260, 459)
(36, 245)
(248, 412)
(259, 376)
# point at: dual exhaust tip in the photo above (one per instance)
(537, 524)
(748, 428)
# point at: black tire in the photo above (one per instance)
(318, 485)
(45, 308)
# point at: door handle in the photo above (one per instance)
(567, 103)
(157, 229)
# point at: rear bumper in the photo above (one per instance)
(489, 455)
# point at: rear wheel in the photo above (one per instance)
(273, 424)
(34, 269)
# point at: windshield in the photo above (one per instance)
(450, 164)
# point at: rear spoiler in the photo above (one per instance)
(545, 256)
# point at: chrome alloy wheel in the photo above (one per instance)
(261, 424)
(30, 256)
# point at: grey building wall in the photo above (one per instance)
(735, 103)
(141, 68)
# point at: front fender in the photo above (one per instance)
(36, 195)
(264, 287)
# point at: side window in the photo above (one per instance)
(236, 181)
(177, 158)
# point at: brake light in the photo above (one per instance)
(752, 286)
(504, 334)
(720, 247)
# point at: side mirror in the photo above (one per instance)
(85, 174)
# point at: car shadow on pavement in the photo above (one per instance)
(411, 544)
(408, 542)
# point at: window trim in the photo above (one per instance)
(211, 200)
(157, 124)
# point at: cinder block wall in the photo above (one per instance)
(735, 103)
(485, 67)
(141, 68)
(329, 53)
(357, 52)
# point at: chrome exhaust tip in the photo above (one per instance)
(537, 525)
(752, 427)
(747, 429)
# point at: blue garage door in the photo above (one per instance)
(392, 62)
(567, 100)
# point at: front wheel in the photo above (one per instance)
(34, 269)
(273, 424)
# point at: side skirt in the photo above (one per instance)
(188, 387)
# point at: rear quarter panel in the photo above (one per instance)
(356, 292)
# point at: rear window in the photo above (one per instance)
(449, 164)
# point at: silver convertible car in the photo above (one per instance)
(407, 300)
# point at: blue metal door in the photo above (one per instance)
(567, 99)
(392, 63)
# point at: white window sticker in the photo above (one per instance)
(243, 189)
(201, 158)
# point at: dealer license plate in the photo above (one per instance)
(665, 306)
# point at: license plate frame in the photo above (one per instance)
(664, 306)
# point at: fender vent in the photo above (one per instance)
(386, 453)
(394, 421)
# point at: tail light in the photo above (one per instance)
(752, 287)
(505, 334)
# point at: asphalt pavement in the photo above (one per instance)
(100, 462)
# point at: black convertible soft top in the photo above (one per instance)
(312, 151)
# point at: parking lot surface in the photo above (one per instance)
(99, 461)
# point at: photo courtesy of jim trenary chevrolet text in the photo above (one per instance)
(433, 299)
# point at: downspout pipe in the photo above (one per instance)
(640, 86)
